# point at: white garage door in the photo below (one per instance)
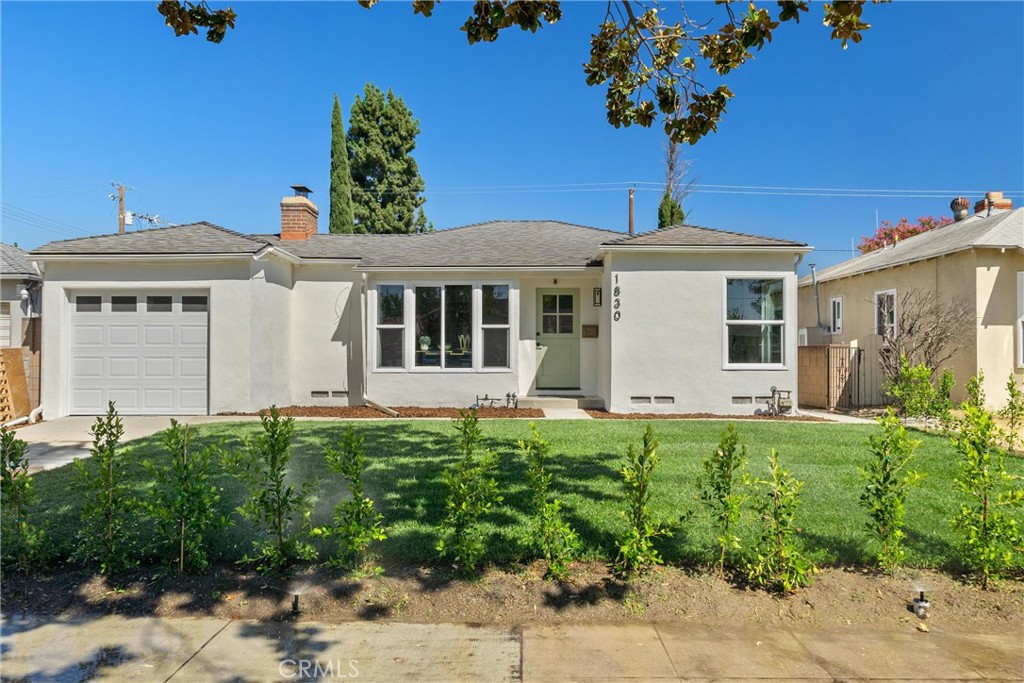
(146, 352)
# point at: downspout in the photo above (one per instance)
(363, 293)
(817, 305)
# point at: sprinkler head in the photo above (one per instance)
(295, 604)
(921, 606)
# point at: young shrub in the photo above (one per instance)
(912, 389)
(280, 511)
(943, 401)
(723, 490)
(472, 492)
(636, 549)
(888, 481)
(779, 564)
(976, 391)
(184, 503)
(992, 498)
(1013, 413)
(105, 536)
(558, 541)
(22, 542)
(356, 523)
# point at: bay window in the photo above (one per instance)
(444, 323)
(754, 321)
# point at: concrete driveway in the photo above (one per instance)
(53, 443)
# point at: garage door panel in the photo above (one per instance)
(192, 335)
(145, 362)
(123, 367)
(87, 367)
(123, 335)
(87, 335)
(160, 367)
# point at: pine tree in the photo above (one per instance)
(386, 182)
(342, 219)
(669, 211)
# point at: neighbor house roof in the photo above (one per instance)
(1003, 230)
(195, 238)
(495, 244)
(696, 236)
(509, 244)
(14, 263)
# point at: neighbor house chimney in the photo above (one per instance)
(298, 215)
(992, 200)
(960, 207)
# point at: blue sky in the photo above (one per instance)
(932, 99)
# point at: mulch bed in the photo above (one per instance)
(603, 415)
(350, 412)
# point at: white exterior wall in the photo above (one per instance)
(670, 339)
(326, 335)
(242, 346)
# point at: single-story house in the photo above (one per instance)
(200, 319)
(978, 259)
(19, 289)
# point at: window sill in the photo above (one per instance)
(755, 366)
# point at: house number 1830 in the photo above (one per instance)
(616, 301)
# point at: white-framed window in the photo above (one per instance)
(1020, 319)
(754, 322)
(451, 327)
(390, 326)
(885, 314)
(836, 319)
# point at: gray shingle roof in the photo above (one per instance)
(1000, 230)
(195, 238)
(14, 262)
(511, 244)
(696, 236)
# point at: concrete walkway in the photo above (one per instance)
(113, 648)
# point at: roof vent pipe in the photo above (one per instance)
(960, 207)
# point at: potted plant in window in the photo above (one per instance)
(424, 343)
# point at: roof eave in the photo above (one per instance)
(179, 256)
(484, 269)
(789, 249)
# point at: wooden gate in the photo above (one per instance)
(828, 376)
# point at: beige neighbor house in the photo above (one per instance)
(199, 319)
(978, 259)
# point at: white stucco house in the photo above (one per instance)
(199, 319)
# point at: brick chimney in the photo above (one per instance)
(992, 200)
(298, 215)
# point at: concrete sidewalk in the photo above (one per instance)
(113, 648)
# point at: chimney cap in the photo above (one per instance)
(301, 190)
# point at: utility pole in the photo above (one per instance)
(120, 209)
(631, 190)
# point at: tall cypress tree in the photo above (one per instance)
(669, 211)
(386, 184)
(342, 219)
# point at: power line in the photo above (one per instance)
(39, 221)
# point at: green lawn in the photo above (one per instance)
(406, 460)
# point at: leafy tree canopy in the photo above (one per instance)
(890, 233)
(647, 55)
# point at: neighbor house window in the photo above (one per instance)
(445, 324)
(495, 326)
(836, 325)
(1020, 319)
(754, 321)
(885, 314)
(390, 326)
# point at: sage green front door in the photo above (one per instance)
(558, 338)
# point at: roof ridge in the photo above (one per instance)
(677, 226)
(520, 220)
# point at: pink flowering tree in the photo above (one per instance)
(890, 232)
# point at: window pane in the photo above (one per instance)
(549, 303)
(458, 326)
(389, 349)
(495, 304)
(549, 324)
(755, 344)
(428, 326)
(193, 304)
(88, 304)
(123, 304)
(565, 324)
(754, 299)
(158, 304)
(565, 303)
(390, 308)
(495, 348)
